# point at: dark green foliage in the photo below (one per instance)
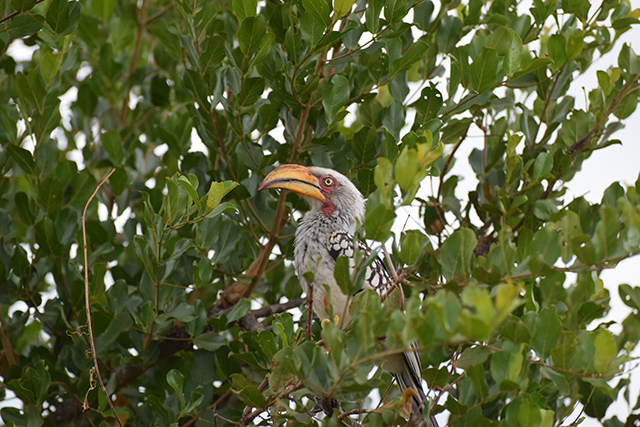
(190, 276)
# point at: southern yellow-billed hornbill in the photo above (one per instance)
(325, 233)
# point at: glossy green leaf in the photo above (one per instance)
(319, 9)
(246, 391)
(58, 15)
(336, 96)
(340, 7)
(113, 146)
(22, 5)
(484, 70)
(251, 91)
(414, 54)
(244, 8)
(456, 254)
(251, 35)
(312, 29)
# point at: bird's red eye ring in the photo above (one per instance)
(328, 181)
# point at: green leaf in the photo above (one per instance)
(211, 341)
(396, 10)
(198, 87)
(506, 365)
(535, 65)
(484, 70)
(342, 274)
(580, 8)
(606, 352)
(605, 238)
(479, 384)
(547, 331)
(414, 54)
(529, 414)
(58, 16)
(25, 25)
(215, 194)
(379, 220)
(241, 308)
(40, 381)
(393, 118)
(251, 35)
(630, 295)
(372, 15)
(247, 392)
(436, 378)
(103, 9)
(112, 144)
(557, 46)
(312, 29)
(429, 104)
(422, 15)
(251, 91)
(25, 208)
(407, 169)
(456, 254)
(31, 90)
(383, 179)
(175, 379)
(449, 32)
(558, 379)
(319, 9)
(574, 45)
(23, 158)
(472, 356)
(213, 51)
(50, 196)
(50, 65)
(364, 145)
(244, 8)
(191, 190)
(47, 236)
(22, 5)
(542, 166)
(336, 96)
(340, 7)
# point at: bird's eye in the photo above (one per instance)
(328, 181)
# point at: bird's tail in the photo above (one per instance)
(411, 377)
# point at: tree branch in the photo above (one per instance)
(88, 305)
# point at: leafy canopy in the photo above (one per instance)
(190, 283)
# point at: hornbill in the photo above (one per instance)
(325, 233)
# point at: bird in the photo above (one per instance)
(326, 232)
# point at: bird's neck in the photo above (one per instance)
(328, 208)
(326, 220)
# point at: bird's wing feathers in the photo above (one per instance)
(376, 276)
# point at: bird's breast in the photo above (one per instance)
(311, 254)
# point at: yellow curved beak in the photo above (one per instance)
(294, 178)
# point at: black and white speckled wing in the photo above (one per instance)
(376, 275)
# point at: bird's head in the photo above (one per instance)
(325, 189)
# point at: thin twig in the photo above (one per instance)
(88, 306)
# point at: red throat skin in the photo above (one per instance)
(328, 208)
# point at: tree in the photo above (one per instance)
(186, 268)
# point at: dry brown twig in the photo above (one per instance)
(88, 306)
